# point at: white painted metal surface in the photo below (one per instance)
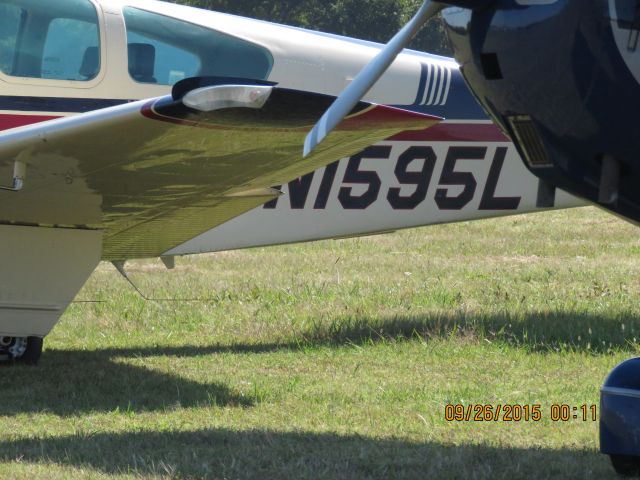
(303, 59)
(41, 271)
(285, 224)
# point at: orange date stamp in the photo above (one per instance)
(520, 413)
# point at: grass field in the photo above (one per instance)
(335, 360)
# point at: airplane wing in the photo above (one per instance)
(153, 174)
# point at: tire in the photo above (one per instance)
(626, 466)
(21, 351)
(32, 353)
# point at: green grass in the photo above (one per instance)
(336, 359)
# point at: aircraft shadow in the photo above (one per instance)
(534, 331)
(260, 454)
(65, 384)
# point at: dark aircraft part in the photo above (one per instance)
(546, 195)
(620, 417)
(22, 350)
(609, 181)
(467, 3)
(625, 465)
(531, 145)
(561, 78)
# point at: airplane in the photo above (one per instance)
(139, 129)
(142, 129)
(560, 79)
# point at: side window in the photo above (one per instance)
(164, 50)
(71, 50)
(10, 22)
(154, 61)
(57, 41)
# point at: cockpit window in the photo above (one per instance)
(164, 50)
(52, 40)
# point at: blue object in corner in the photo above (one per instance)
(620, 411)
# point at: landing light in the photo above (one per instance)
(208, 99)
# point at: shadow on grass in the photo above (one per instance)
(268, 454)
(536, 332)
(66, 383)
(533, 331)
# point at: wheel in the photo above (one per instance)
(20, 350)
(625, 465)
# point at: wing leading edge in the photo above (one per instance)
(154, 174)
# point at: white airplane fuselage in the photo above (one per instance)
(464, 168)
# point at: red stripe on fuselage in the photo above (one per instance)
(8, 121)
(442, 132)
(454, 132)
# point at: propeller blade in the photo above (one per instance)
(369, 76)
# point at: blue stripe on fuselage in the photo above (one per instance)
(56, 104)
(460, 104)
